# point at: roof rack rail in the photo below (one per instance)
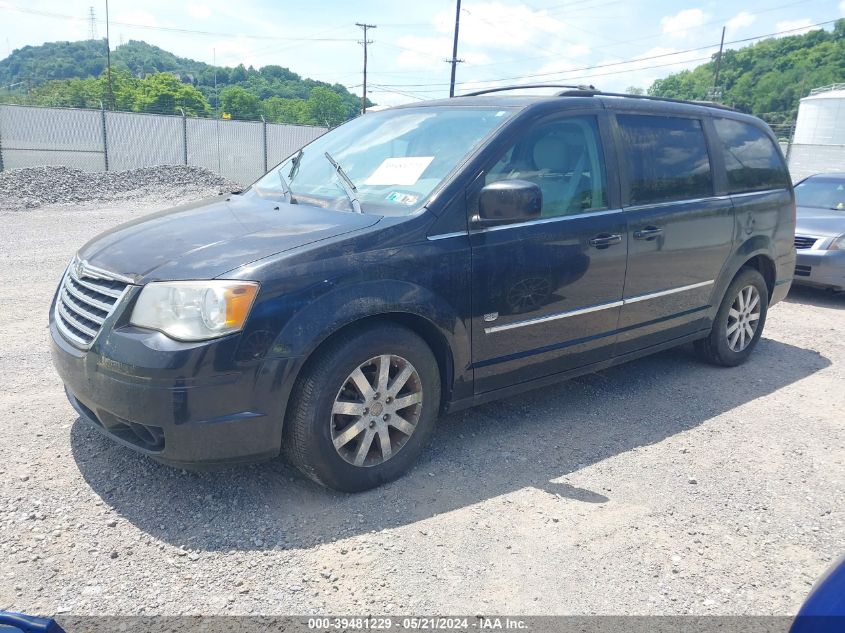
(599, 93)
(571, 88)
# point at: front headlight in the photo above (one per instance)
(194, 310)
(837, 244)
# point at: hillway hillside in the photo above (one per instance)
(146, 78)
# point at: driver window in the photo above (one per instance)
(564, 158)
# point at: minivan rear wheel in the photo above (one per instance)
(739, 321)
(364, 408)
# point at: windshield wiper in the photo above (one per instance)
(346, 184)
(287, 192)
(294, 165)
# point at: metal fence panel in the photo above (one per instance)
(51, 136)
(233, 149)
(806, 160)
(284, 140)
(143, 140)
(32, 136)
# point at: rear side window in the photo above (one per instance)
(666, 157)
(751, 160)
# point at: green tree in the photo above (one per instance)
(240, 103)
(278, 110)
(325, 107)
(165, 94)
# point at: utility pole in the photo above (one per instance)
(716, 94)
(108, 58)
(365, 42)
(454, 61)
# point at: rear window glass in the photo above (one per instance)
(751, 160)
(666, 157)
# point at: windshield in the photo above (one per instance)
(823, 193)
(394, 158)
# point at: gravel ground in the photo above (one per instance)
(29, 188)
(664, 486)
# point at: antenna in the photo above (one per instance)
(92, 24)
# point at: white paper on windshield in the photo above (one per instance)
(399, 171)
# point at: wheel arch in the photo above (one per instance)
(344, 308)
(416, 323)
(754, 253)
(765, 265)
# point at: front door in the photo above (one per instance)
(546, 294)
(680, 233)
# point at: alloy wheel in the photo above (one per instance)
(376, 410)
(743, 318)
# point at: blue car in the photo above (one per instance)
(824, 609)
(19, 623)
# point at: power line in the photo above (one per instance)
(582, 77)
(630, 61)
(614, 44)
(172, 29)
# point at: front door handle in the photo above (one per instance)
(648, 233)
(604, 240)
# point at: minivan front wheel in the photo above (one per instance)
(364, 408)
(739, 321)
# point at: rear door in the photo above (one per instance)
(680, 233)
(546, 293)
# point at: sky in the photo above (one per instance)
(612, 44)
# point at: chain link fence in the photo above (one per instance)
(101, 140)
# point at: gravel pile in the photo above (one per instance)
(32, 187)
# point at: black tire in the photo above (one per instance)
(307, 440)
(715, 348)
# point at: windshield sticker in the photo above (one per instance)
(403, 171)
(402, 198)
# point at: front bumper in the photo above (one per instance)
(181, 404)
(822, 269)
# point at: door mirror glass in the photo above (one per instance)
(508, 201)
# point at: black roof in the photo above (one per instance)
(575, 97)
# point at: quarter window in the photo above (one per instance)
(564, 158)
(751, 160)
(666, 158)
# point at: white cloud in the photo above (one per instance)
(142, 18)
(842, 7)
(199, 11)
(677, 25)
(235, 51)
(501, 26)
(796, 27)
(741, 20)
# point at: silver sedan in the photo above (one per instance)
(820, 231)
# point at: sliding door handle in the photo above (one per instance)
(648, 233)
(604, 240)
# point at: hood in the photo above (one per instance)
(817, 222)
(206, 239)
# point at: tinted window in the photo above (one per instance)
(666, 157)
(751, 159)
(821, 193)
(564, 158)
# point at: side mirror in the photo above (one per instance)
(507, 201)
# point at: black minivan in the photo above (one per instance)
(419, 260)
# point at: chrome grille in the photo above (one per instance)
(805, 241)
(87, 297)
